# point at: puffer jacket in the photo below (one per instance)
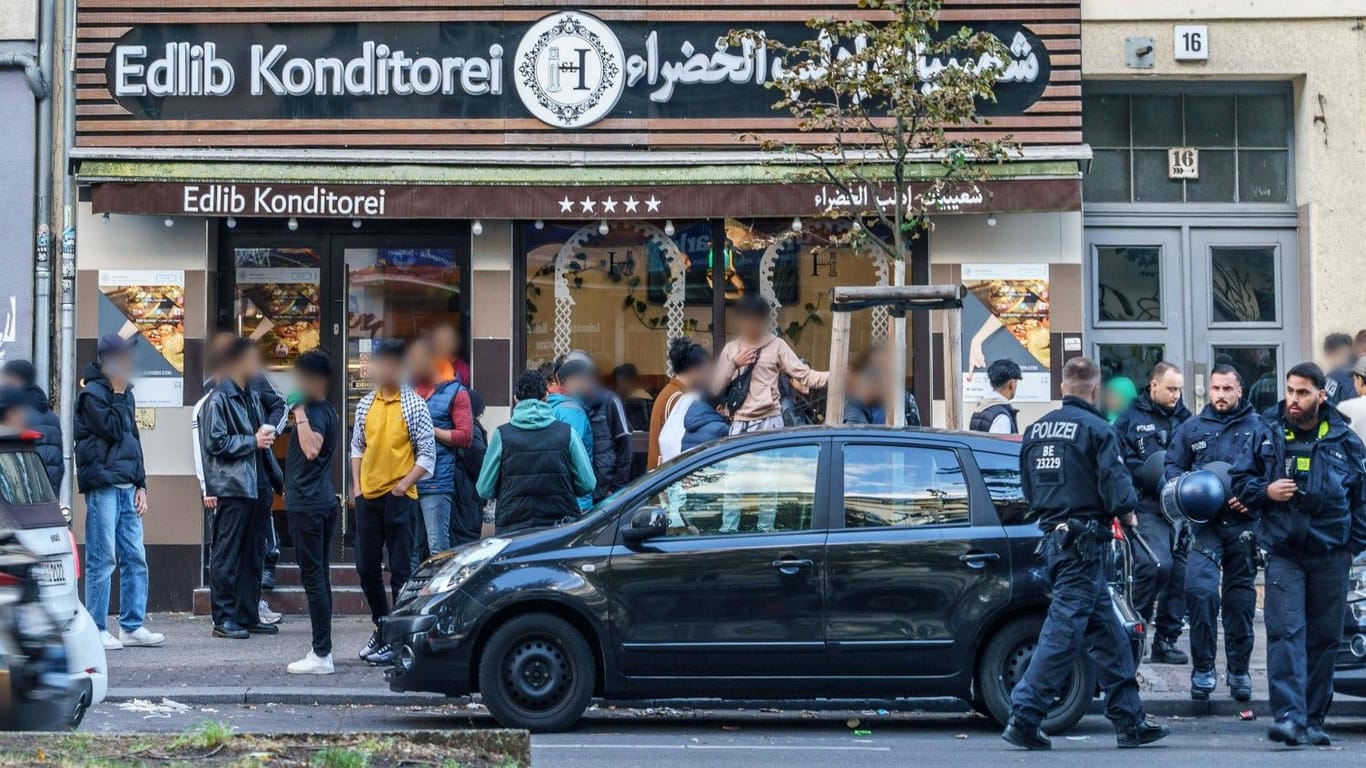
(702, 424)
(44, 420)
(227, 434)
(108, 447)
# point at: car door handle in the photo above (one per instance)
(792, 565)
(978, 559)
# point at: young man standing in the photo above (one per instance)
(232, 439)
(311, 501)
(574, 379)
(535, 465)
(392, 448)
(111, 474)
(995, 414)
(448, 403)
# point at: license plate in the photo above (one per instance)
(50, 573)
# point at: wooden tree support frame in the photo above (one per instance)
(898, 300)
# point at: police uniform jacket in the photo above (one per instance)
(1145, 429)
(1329, 512)
(1071, 467)
(1213, 436)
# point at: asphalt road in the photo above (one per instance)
(623, 740)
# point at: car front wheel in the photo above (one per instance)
(536, 672)
(1003, 664)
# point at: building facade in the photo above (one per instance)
(19, 168)
(1218, 205)
(545, 177)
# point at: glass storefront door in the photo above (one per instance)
(1198, 298)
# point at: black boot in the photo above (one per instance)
(1027, 736)
(1166, 652)
(1287, 733)
(1145, 731)
(1316, 736)
(1240, 686)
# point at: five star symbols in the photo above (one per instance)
(588, 204)
(631, 204)
(566, 205)
(609, 205)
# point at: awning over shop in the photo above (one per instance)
(422, 191)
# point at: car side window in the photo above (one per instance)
(903, 486)
(1002, 475)
(765, 491)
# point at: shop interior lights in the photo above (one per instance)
(477, 228)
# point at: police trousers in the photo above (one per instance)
(1306, 602)
(1159, 588)
(1080, 618)
(1216, 547)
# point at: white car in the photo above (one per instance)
(29, 506)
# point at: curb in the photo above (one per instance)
(1165, 705)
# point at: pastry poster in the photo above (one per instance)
(1005, 316)
(282, 312)
(147, 306)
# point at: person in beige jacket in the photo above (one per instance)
(771, 357)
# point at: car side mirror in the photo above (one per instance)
(645, 523)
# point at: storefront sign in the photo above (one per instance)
(568, 70)
(678, 201)
(148, 307)
(1006, 316)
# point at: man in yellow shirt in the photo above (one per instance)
(392, 447)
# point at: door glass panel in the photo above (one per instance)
(1216, 182)
(1129, 283)
(1209, 122)
(1151, 184)
(1108, 179)
(394, 293)
(1257, 365)
(278, 305)
(1133, 361)
(769, 491)
(1243, 284)
(1263, 176)
(901, 487)
(1157, 121)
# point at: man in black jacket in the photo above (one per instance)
(1307, 477)
(20, 376)
(111, 474)
(1145, 430)
(234, 442)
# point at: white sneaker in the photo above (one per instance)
(141, 636)
(111, 643)
(267, 615)
(312, 664)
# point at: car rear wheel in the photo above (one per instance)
(536, 672)
(1003, 664)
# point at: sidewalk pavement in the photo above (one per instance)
(195, 668)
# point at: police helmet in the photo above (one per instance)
(1150, 474)
(1197, 496)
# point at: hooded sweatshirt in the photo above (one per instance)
(571, 411)
(522, 506)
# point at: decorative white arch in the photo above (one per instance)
(674, 300)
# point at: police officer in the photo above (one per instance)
(1308, 473)
(1227, 430)
(1073, 476)
(1144, 430)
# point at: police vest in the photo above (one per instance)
(1299, 455)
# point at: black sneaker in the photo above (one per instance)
(1316, 736)
(1027, 736)
(268, 579)
(382, 656)
(1287, 733)
(370, 645)
(1240, 686)
(263, 629)
(230, 631)
(1143, 732)
(1166, 652)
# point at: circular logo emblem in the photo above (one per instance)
(569, 70)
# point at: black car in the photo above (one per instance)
(1349, 674)
(812, 562)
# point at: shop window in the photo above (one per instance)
(1243, 139)
(277, 304)
(886, 486)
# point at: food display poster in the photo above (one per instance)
(147, 306)
(1005, 316)
(282, 311)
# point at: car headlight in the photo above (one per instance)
(459, 568)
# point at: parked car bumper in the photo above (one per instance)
(434, 643)
(85, 655)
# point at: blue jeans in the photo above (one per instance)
(436, 521)
(113, 529)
